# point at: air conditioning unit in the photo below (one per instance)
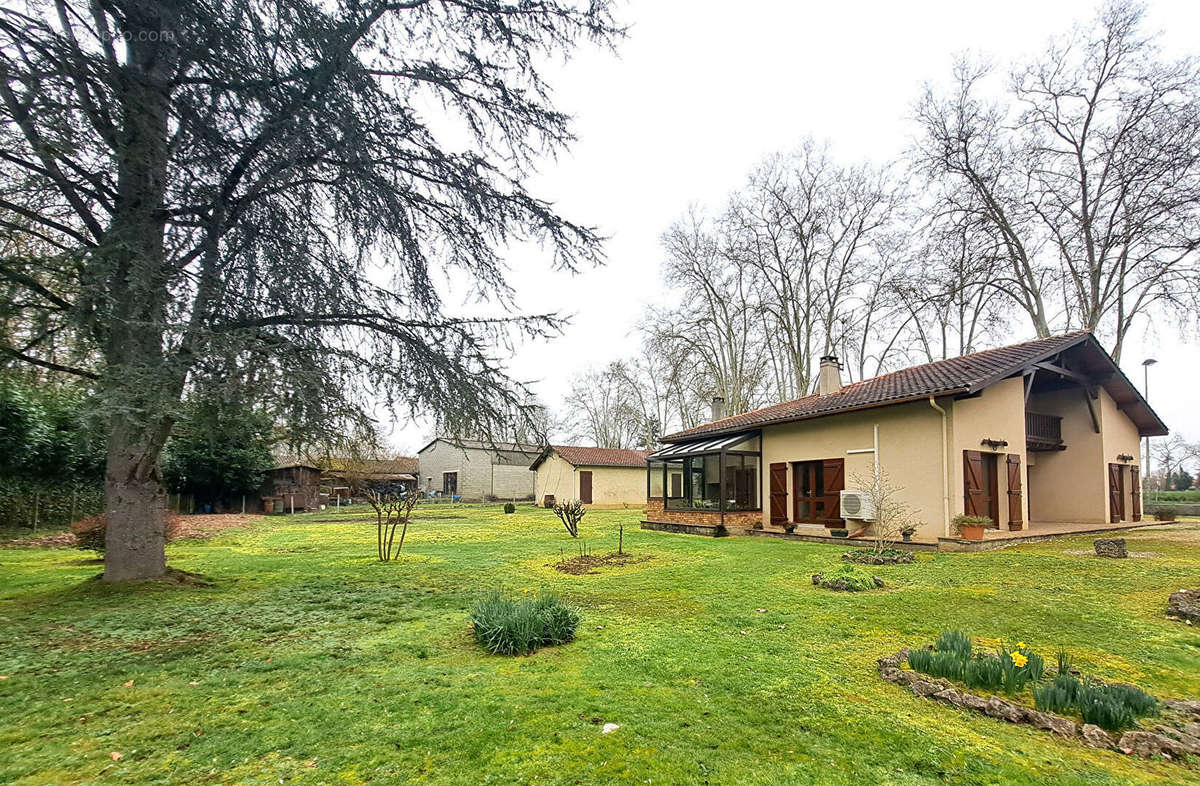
(857, 505)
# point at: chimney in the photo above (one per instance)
(718, 408)
(830, 378)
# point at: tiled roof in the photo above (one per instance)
(480, 444)
(965, 374)
(599, 457)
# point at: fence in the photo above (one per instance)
(42, 506)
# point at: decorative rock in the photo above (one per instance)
(1005, 710)
(1110, 547)
(973, 702)
(1190, 743)
(906, 677)
(890, 673)
(609, 728)
(950, 696)
(1192, 729)
(1095, 737)
(1186, 706)
(1185, 605)
(924, 687)
(1146, 743)
(1062, 726)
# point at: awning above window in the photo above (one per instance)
(682, 449)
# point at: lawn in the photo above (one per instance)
(309, 662)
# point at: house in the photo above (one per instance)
(1044, 432)
(477, 470)
(292, 485)
(598, 477)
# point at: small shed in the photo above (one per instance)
(292, 486)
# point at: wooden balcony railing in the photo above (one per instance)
(1043, 432)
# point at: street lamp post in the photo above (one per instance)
(1146, 364)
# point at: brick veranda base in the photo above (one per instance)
(699, 521)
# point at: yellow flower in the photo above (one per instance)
(1018, 659)
(1020, 645)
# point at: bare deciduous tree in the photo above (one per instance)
(392, 511)
(570, 513)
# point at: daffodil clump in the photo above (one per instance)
(1009, 669)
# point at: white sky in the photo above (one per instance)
(700, 92)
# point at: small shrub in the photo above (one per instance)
(847, 578)
(955, 641)
(1165, 514)
(962, 520)
(508, 627)
(509, 507)
(90, 532)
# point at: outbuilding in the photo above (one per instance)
(598, 477)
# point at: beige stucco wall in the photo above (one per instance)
(1068, 485)
(909, 455)
(554, 476)
(998, 413)
(612, 487)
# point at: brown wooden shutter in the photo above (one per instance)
(974, 495)
(585, 487)
(834, 472)
(779, 494)
(1135, 492)
(1114, 493)
(1015, 519)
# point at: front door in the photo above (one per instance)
(1116, 493)
(779, 494)
(979, 485)
(585, 487)
(449, 483)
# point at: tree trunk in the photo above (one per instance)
(140, 386)
(136, 505)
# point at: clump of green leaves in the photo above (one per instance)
(847, 578)
(1059, 694)
(955, 641)
(984, 672)
(509, 507)
(518, 627)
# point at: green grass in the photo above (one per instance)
(1191, 495)
(313, 663)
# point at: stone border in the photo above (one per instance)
(1169, 742)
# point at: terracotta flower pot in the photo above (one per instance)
(971, 531)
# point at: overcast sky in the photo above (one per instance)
(700, 92)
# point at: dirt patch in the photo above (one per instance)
(207, 525)
(1092, 553)
(59, 540)
(591, 563)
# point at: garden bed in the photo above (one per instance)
(1126, 719)
(885, 557)
(592, 563)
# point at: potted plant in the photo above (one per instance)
(1164, 514)
(971, 527)
(907, 533)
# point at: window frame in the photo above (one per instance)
(687, 494)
